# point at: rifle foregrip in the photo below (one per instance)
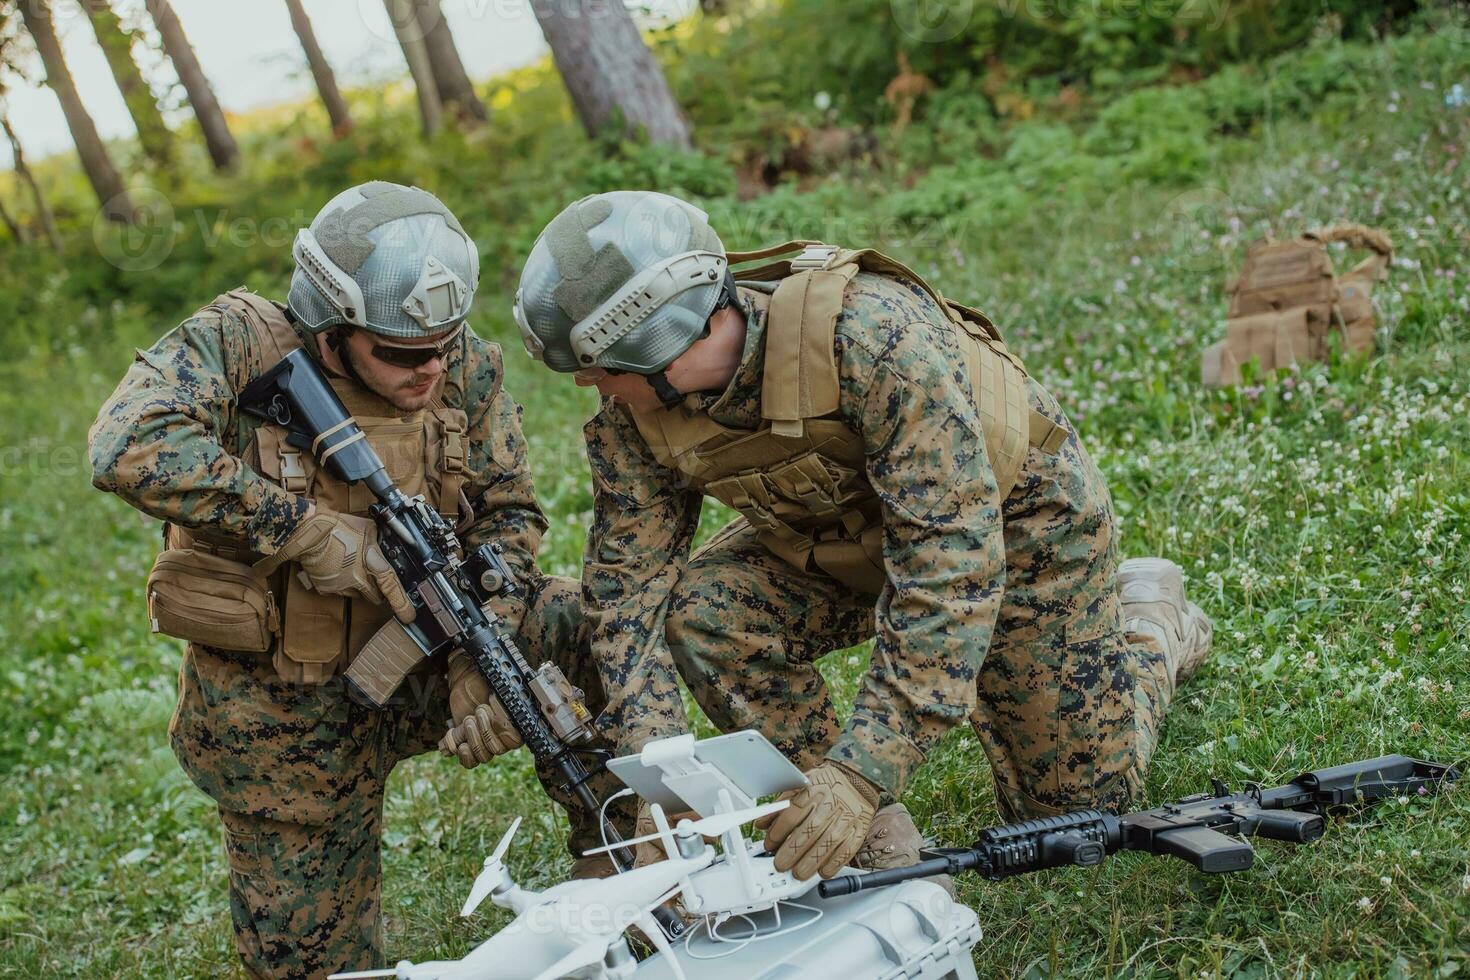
(482, 645)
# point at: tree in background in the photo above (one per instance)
(609, 72)
(403, 14)
(217, 137)
(321, 70)
(117, 44)
(456, 91)
(96, 162)
(16, 231)
(23, 171)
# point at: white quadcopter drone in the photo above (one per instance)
(749, 921)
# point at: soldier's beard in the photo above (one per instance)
(405, 394)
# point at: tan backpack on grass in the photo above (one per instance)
(1287, 302)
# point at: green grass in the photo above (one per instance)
(1322, 520)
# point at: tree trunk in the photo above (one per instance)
(450, 78)
(16, 231)
(321, 70)
(116, 204)
(416, 53)
(222, 147)
(609, 72)
(117, 44)
(43, 210)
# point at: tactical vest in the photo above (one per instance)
(317, 635)
(800, 479)
(1286, 303)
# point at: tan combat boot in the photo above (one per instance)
(1154, 605)
(893, 842)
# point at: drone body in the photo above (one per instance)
(749, 921)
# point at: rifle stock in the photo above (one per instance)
(449, 592)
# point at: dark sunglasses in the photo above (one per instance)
(412, 357)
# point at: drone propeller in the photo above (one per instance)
(492, 873)
(594, 949)
(712, 826)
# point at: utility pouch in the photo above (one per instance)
(311, 641)
(211, 601)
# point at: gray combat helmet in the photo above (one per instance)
(390, 259)
(624, 280)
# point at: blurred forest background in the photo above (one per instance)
(1087, 171)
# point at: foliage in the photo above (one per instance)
(1320, 515)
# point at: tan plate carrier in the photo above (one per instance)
(801, 479)
(1286, 303)
(424, 452)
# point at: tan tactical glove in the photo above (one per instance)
(482, 730)
(649, 852)
(826, 823)
(340, 556)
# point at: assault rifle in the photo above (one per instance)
(1205, 829)
(449, 592)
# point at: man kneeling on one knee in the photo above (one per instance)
(899, 476)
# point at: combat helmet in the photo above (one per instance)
(624, 281)
(389, 259)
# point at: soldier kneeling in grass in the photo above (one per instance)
(899, 476)
(273, 573)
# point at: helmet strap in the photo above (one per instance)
(337, 340)
(728, 295)
(667, 393)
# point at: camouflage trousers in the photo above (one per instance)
(1068, 706)
(299, 772)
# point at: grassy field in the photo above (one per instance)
(1321, 518)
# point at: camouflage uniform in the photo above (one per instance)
(1005, 613)
(298, 771)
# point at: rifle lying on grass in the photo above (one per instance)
(448, 592)
(1206, 830)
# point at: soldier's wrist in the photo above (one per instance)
(870, 791)
(276, 519)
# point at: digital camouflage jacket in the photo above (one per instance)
(905, 391)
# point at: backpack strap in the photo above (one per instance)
(274, 336)
(801, 375)
(800, 380)
(771, 270)
(1358, 236)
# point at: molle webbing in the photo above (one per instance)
(800, 379)
(319, 634)
(800, 480)
(1287, 303)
